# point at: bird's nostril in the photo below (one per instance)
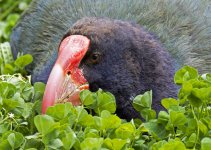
(68, 73)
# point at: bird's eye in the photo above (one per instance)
(94, 58)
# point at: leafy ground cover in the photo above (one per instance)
(186, 123)
(10, 11)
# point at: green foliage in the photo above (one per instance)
(19, 102)
(186, 123)
(10, 11)
(10, 66)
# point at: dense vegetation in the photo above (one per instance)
(186, 123)
(93, 125)
(10, 11)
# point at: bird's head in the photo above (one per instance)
(116, 56)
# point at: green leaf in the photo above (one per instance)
(197, 83)
(193, 137)
(15, 139)
(91, 133)
(10, 104)
(91, 144)
(168, 102)
(191, 140)
(27, 92)
(177, 118)
(5, 145)
(12, 19)
(105, 101)
(192, 126)
(98, 123)
(68, 139)
(207, 120)
(56, 144)
(8, 69)
(11, 140)
(27, 110)
(7, 90)
(37, 144)
(206, 143)
(203, 94)
(173, 145)
(4, 127)
(7, 63)
(194, 98)
(148, 114)
(59, 137)
(23, 61)
(106, 121)
(163, 117)
(125, 131)
(184, 74)
(87, 97)
(202, 127)
(158, 145)
(39, 89)
(114, 144)
(156, 130)
(184, 92)
(109, 121)
(143, 101)
(43, 123)
(83, 118)
(60, 111)
(139, 144)
(6, 53)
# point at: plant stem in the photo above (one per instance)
(4, 120)
(197, 133)
(75, 125)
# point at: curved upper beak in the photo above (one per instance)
(66, 80)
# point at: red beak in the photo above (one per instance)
(66, 80)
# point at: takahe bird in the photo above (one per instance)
(111, 44)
